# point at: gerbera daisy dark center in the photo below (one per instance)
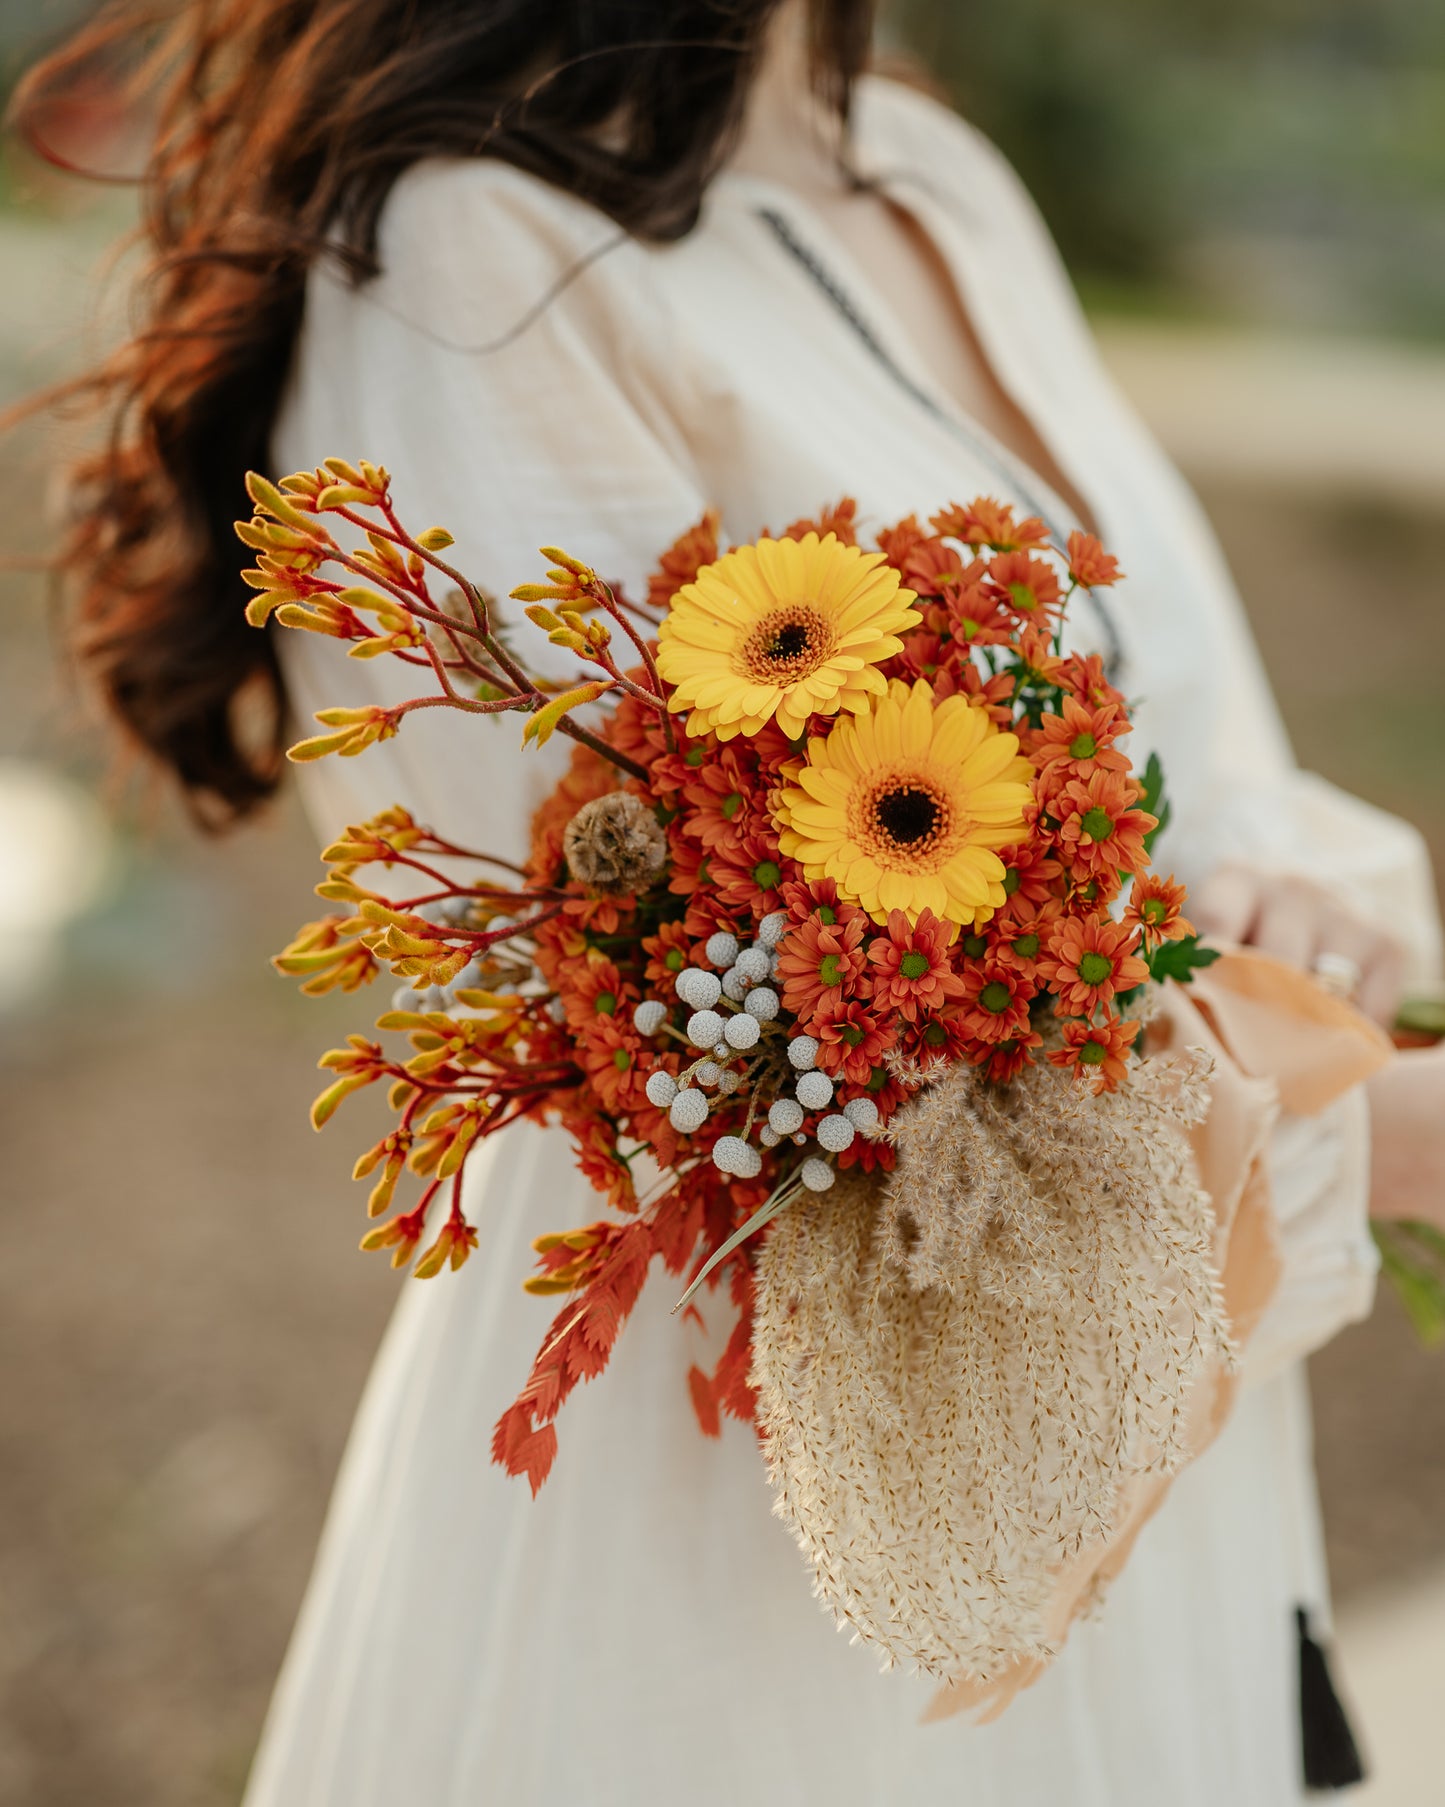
(789, 643)
(907, 814)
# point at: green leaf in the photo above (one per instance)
(1180, 959)
(1421, 1290)
(1154, 800)
(1430, 1238)
(1423, 1016)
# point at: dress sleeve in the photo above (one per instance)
(515, 370)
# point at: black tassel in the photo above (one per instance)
(1331, 1756)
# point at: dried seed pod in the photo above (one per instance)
(615, 846)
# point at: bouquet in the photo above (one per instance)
(833, 954)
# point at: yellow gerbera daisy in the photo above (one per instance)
(905, 806)
(785, 629)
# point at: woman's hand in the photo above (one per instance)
(1299, 921)
(1407, 1137)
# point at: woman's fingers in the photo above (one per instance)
(1382, 989)
(1224, 907)
(1298, 921)
(1290, 923)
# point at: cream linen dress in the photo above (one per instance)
(643, 1632)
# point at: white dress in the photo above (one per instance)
(643, 1632)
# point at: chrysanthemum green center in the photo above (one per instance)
(1083, 746)
(996, 997)
(913, 966)
(1093, 1054)
(1098, 824)
(1095, 968)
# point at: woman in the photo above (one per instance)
(575, 273)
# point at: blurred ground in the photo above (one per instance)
(185, 1343)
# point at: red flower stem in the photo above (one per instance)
(521, 928)
(456, 1216)
(511, 671)
(659, 699)
(437, 845)
(494, 647)
(414, 603)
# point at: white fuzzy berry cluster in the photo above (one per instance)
(729, 1014)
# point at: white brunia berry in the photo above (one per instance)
(734, 985)
(768, 1136)
(862, 1113)
(661, 1089)
(709, 1073)
(728, 1080)
(817, 1175)
(649, 1016)
(772, 928)
(762, 1002)
(689, 1112)
(835, 1133)
(722, 948)
(699, 989)
(802, 1052)
(815, 1091)
(742, 1031)
(704, 1028)
(786, 1116)
(733, 1155)
(754, 963)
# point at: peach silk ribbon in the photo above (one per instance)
(1280, 1042)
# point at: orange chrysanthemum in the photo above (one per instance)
(667, 953)
(995, 1000)
(1156, 909)
(1030, 587)
(1020, 938)
(1101, 832)
(1089, 564)
(985, 522)
(841, 520)
(1083, 676)
(819, 963)
(1098, 1051)
(1005, 1060)
(1079, 741)
(593, 988)
(683, 560)
(1087, 963)
(852, 1040)
(910, 966)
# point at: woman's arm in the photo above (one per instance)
(1407, 1137)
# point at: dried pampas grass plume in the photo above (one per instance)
(960, 1367)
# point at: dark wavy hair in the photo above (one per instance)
(278, 129)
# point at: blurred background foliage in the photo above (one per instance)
(1277, 159)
